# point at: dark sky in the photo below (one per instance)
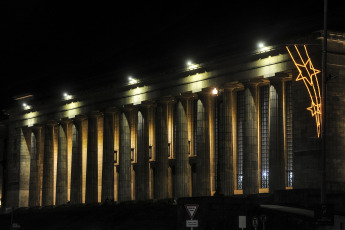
(53, 47)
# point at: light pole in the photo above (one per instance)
(323, 113)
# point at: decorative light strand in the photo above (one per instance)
(309, 77)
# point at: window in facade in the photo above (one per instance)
(240, 134)
(264, 135)
(289, 140)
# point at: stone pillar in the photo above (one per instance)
(125, 157)
(94, 158)
(162, 147)
(116, 155)
(36, 167)
(206, 165)
(182, 159)
(79, 159)
(11, 173)
(133, 124)
(108, 154)
(277, 179)
(143, 143)
(50, 163)
(250, 145)
(227, 156)
(64, 162)
(187, 100)
(24, 135)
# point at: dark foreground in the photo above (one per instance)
(148, 215)
(216, 212)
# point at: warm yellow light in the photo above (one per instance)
(132, 80)
(309, 78)
(67, 96)
(215, 91)
(26, 106)
(191, 66)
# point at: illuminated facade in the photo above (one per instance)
(175, 136)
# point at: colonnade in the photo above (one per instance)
(193, 144)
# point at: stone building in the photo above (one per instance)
(237, 124)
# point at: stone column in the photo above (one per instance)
(205, 165)
(227, 156)
(143, 143)
(94, 158)
(50, 163)
(133, 124)
(182, 159)
(108, 154)
(36, 168)
(251, 179)
(250, 145)
(64, 162)
(277, 179)
(24, 135)
(125, 157)
(79, 159)
(162, 147)
(188, 104)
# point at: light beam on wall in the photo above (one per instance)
(308, 74)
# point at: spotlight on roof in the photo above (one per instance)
(67, 96)
(26, 106)
(262, 47)
(132, 80)
(191, 65)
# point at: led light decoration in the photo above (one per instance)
(308, 74)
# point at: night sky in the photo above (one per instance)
(55, 47)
